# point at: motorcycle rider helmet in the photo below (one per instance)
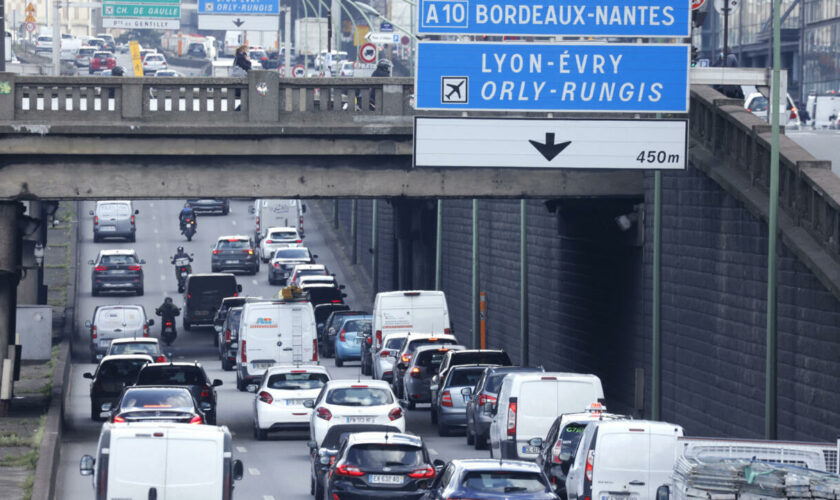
(167, 300)
(180, 249)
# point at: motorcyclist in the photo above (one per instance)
(180, 253)
(186, 213)
(167, 311)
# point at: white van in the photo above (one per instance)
(632, 457)
(274, 213)
(528, 403)
(409, 311)
(277, 332)
(189, 462)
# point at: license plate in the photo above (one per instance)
(294, 402)
(262, 365)
(531, 449)
(385, 479)
(619, 497)
(358, 420)
(104, 342)
(118, 271)
(231, 262)
(107, 229)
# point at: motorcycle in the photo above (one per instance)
(168, 333)
(183, 268)
(188, 228)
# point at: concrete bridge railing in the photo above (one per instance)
(262, 97)
(733, 147)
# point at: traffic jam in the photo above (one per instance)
(531, 432)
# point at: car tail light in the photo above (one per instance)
(300, 220)
(298, 241)
(118, 419)
(590, 464)
(249, 251)
(406, 358)
(424, 473)
(323, 413)
(100, 268)
(384, 353)
(511, 419)
(161, 359)
(315, 350)
(484, 399)
(258, 223)
(378, 337)
(244, 356)
(95, 220)
(276, 264)
(368, 340)
(793, 113)
(341, 335)
(415, 372)
(134, 268)
(266, 397)
(447, 331)
(268, 241)
(93, 333)
(348, 470)
(215, 252)
(395, 414)
(336, 301)
(359, 386)
(132, 220)
(227, 335)
(205, 392)
(555, 452)
(196, 420)
(446, 399)
(145, 330)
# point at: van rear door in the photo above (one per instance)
(536, 411)
(622, 467)
(131, 473)
(663, 455)
(296, 334)
(263, 337)
(194, 467)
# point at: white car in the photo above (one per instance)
(316, 280)
(351, 402)
(307, 270)
(276, 238)
(43, 42)
(757, 104)
(279, 401)
(383, 359)
(154, 62)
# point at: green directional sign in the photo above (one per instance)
(160, 11)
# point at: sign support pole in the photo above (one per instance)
(476, 341)
(656, 367)
(524, 340)
(375, 247)
(772, 230)
(439, 245)
(56, 36)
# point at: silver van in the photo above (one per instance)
(114, 219)
(115, 322)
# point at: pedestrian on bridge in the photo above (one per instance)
(241, 63)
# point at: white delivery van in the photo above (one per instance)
(628, 459)
(423, 311)
(528, 403)
(283, 213)
(277, 332)
(165, 461)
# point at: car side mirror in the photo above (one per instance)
(663, 492)
(88, 375)
(341, 287)
(537, 441)
(151, 322)
(309, 403)
(90, 262)
(86, 465)
(466, 392)
(303, 207)
(205, 406)
(251, 210)
(433, 387)
(136, 212)
(142, 261)
(238, 470)
(239, 288)
(343, 295)
(91, 212)
(217, 382)
(87, 324)
(312, 445)
(252, 388)
(315, 256)
(332, 274)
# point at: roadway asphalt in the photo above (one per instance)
(274, 469)
(822, 144)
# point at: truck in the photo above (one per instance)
(824, 110)
(278, 213)
(189, 462)
(310, 36)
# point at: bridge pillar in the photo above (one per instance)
(9, 259)
(414, 228)
(264, 96)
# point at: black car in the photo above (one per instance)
(322, 314)
(320, 459)
(203, 294)
(111, 375)
(324, 293)
(382, 465)
(284, 261)
(210, 205)
(469, 357)
(327, 334)
(157, 404)
(188, 375)
(229, 341)
(235, 253)
(116, 271)
(224, 306)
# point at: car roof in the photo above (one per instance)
(135, 340)
(342, 384)
(514, 369)
(335, 431)
(479, 351)
(491, 464)
(118, 251)
(469, 367)
(436, 347)
(119, 306)
(103, 202)
(155, 387)
(310, 267)
(282, 228)
(126, 357)
(179, 364)
(419, 336)
(383, 438)
(290, 368)
(233, 237)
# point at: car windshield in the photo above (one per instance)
(116, 317)
(569, 440)
(171, 375)
(395, 343)
(359, 396)
(292, 253)
(465, 378)
(503, 482)
(297, 381)
(85, 52)
(758, 103)
(233, 244)
(483, 358)
(282, 235)
(156, 399)
(378, 455)
(356, 325)
(311, 272)
(120, 369)
(134, 348)
(428, 341)
(116, 260)
(431, 358)
(113, 209)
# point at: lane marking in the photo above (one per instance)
(253, 471)
(241, 449)
(160, 261)
(154, 217)
(233, 222)
(162, 277)
(433, 451)
(254, 281)
(157, 245)
(151, 204)
(268, 497)
(156, 230)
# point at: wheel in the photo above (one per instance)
(140, 292)
(240, 384)
(216, 340)
(339, 362)
(271, 281)
(491, 452)
(259, 434)
(434, 416)
(319, 490)
(412, 405)
(93, 358)
(94, 292)
(443, 429)
(180, 289)
(225, 211)
(470, 437)
(132, 238)
(187, 324)
(211, 419)
(214, 269)
(94, 413)
(312, 486)
(189, 236)
(227, 365)
(96, 239)
(481, 442)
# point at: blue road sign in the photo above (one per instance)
(252, 7)
(618, 18)
(383, 26)
(553, 77)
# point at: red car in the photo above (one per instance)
(101, 61)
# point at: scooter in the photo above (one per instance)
(183, 268)
(188, 228)
(168, 333)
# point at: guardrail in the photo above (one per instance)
(262, 97)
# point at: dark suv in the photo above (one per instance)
(189, 375)
(210, 205)
(203, 294)
(111, 375)
(380, 464)
(235, 253)
(229, 338)
(116, 271)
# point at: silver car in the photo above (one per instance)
(114, 219)
(423, 366)
(449, 409)
(383, 359)
(115, 322)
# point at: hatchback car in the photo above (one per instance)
(351, 402)
(235, 253)
(422, 367)
(331, 328)
(323, 293)
(347, 344)
(279, 402)
(449, 406)
(229, 338)
(114, 219)
(154, 62)
(487, 478)
(276, 238)
(189, 375)
(382, 465)
(403, 357)
(469, 357)
(116, 271)
(284, 261)
(110, 323)
(111, 375)
(221, 314)
(100, 61)
(83, 55)
(307, 270)
(482, 399)
(209, 205)
(382, 361)
(142, 345)
(156, 404)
